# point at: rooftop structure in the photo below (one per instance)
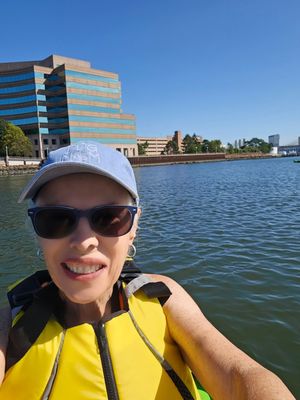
(60, 100)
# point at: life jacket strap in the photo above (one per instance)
(152, 289)
(23, 292)
(178, 382)
(28, 328)
(136, 284)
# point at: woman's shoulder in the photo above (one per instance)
(180, 303)
(171, 283)
(175, 287)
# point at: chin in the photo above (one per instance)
(80, 298)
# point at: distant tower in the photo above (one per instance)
(235, 144)
(274, 140)
(178, 139)
(240, 143)
(298, 140)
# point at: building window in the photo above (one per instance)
(37, 154)
(53, 141)
(118, 149)
(45, 141)
(36, 142)
(133, 152)
(126, 152)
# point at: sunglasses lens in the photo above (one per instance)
(111, 221)
(54, 223)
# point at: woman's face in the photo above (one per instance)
(85, 265)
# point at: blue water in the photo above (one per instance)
(229, 232)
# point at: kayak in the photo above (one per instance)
(203, 394)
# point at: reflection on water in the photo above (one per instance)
(228, 231)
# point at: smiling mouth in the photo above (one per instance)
(83, 269)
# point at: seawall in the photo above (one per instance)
(19, 166)
(192, 158)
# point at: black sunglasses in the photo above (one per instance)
(56, 222)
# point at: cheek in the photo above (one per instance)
(119, 250)
(51, 249)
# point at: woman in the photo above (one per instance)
(93, 326)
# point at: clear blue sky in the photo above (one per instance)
(223, 69)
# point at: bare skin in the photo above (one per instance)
(224, 370)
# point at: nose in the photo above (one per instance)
(84, 239)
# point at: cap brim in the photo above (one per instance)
(56, 170)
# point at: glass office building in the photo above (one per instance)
(61, 100)
(274, 140)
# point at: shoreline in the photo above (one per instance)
(22, 167)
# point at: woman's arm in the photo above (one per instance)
(5, 324)
(225, 371)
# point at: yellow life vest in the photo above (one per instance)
(128, 356)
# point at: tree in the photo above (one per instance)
(142, 147)
(257, 145)
(215, 146)
(205, 146)
(191, 144)
(171, 148)
(13, 138)
(230, 148)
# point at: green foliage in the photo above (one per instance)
(192, 144)
(254, 145)
(171, 148)
(215, 146)
(14, 139)
(259, 145)
(142, 148)
(230, 149)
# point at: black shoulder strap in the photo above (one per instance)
(24, 292)
(133, 277)
(129, 271)
(157, 289)
(28, 328)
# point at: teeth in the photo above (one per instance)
(80, 269)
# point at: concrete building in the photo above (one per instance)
(60, 100)
(274, 140)
(156, 145)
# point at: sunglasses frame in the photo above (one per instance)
(33, 213)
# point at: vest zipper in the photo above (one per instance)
(50, 383)
(109, 377)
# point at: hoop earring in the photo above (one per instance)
(40, 254)
(131, 251)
